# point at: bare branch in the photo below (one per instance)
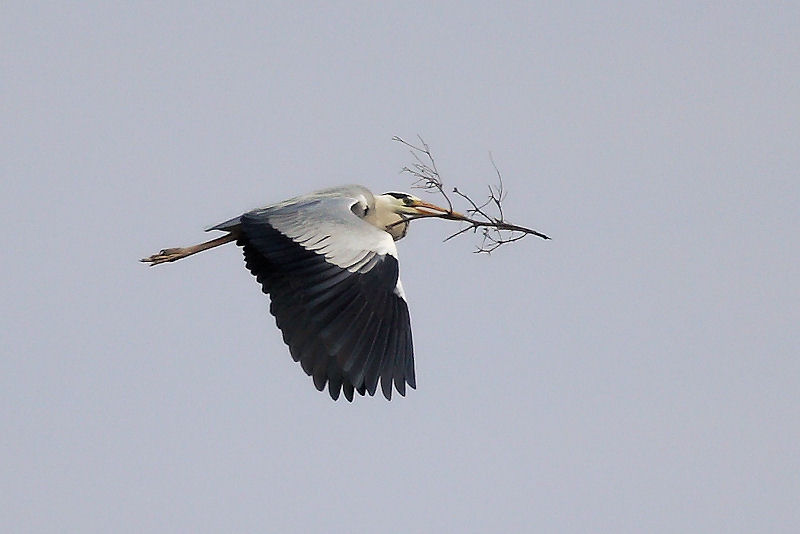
(495, 230)
(425, 173)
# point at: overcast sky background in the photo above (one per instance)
(638, 373)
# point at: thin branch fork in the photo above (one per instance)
(495, 230)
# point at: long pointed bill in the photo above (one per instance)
(426, 208)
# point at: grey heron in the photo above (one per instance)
(328, 262)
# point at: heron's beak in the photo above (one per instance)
(426, 208)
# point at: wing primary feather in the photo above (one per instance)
(320, 373)
(377, 351)
(399, 367)
(356, 347)
(410, 375)
(349, 342)
(387, 367)
(334, 379)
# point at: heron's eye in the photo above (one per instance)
(360, 209)
(408, 201)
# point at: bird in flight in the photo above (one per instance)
(328, 262)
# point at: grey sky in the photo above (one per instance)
(638, 373)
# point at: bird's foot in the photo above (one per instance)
(165, 255)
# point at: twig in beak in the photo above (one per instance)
(493, 227)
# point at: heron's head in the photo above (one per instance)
(405, 204)
(393, 208)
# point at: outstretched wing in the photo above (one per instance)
(335, 293)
